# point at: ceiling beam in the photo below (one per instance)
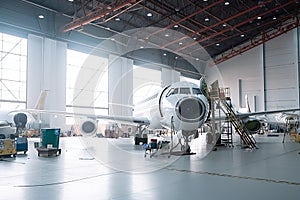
(291, 23)
(237, 25)
(111, 10)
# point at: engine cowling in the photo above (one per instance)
(88, 127)
(253, 125)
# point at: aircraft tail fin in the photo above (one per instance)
(40, 104)
(247, 103)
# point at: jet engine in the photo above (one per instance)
(88, 127)
(253, 125)
(20, 120)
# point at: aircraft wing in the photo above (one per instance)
(244, 115)
(124, 119)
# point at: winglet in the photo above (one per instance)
(40, 104)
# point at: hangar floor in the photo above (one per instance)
(270, 172)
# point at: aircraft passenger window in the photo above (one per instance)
(185, 91)
(196, 91)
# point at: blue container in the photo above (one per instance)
(22, 144)
(50, 137)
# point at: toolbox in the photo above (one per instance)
(7, 147)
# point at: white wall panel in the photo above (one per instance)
(247, 68)
(281, 67)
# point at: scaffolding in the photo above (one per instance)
(221, 101)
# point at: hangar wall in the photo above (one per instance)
(268, 74)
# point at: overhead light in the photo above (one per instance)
(149, 14)
(194, 38)
(242, 35)
(166, 35)
(141, 47)
(117, 19)
(224, 25)
(205, 0)
(41, 16)
(71, 0)
(259, 17)
(165, 54)
(176, 57)
(197, 58)
(107, 28)
(274, 18)
(226, 3)
(206, 19)
(180, 43)
(217, 44)
(176, 26)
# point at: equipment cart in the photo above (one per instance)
(22, 144)
(49, 142)
(7, 147)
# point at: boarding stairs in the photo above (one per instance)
(238, 124)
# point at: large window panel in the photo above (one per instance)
(78, 62)
(13, 67)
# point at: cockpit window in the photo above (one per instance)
(172, 91)
(196, 91)
(184, 91)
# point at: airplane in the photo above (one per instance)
(12, 122)
(182, 107)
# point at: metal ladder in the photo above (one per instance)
(238, 124)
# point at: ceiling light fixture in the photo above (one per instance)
(274, 18)
(195, 38)
(41, 16)
(180, 43)
(206, 19)
(117, 19)
(149, 14)
(259, 17)
(242, 35)
(71, 0)
(165, 54)
(226, 3)
(176, 26)
(217, 44)
(166, 35)
(224, 25)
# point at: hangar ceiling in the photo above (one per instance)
(224, 28)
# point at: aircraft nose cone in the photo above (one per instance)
(190, 109)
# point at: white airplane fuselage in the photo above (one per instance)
(182, 102)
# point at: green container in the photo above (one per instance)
(50, 137)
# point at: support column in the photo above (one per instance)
(46, 70)
(120, 85)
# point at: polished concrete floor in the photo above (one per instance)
(120, 171)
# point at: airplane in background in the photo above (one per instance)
(12, 122)
(254, 121)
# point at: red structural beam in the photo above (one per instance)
(277, 21)
(264, 37)
(101, 13)
(237, 25)
(187, 17)
(218, 24)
